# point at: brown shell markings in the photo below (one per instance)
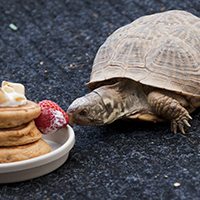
(160, 50)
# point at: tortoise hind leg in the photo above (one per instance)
(170, 106)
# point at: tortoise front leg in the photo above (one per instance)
(170, 106)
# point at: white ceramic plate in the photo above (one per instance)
(61, 143)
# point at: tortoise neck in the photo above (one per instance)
(122, 99)
(112, 100)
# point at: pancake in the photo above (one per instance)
(16, 116)
(20, 135)
(24, 152)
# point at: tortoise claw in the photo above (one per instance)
(186, 123)
(174, 126)
(180, 122)
(181, 128)
(188, 116)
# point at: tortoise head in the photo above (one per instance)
(88, 110)
(102, 106)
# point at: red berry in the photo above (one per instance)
(52, 117)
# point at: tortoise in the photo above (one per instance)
(147, 70)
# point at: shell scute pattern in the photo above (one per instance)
(160, 50)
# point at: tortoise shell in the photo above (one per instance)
(160, 50)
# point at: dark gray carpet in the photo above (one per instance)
(136, 160)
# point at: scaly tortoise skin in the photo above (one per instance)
(148, 70)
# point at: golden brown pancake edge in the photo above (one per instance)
(20, 135)
(24, 152)
(16, 116)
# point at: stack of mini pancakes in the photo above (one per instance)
(19, 137)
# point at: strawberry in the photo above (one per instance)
(52, 117)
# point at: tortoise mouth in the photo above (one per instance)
(74, 119)
(70, 114)
(71, 122)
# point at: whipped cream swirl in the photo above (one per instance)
(12, 94)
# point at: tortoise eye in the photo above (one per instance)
(84, 112)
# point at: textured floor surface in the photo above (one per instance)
(124, 160)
